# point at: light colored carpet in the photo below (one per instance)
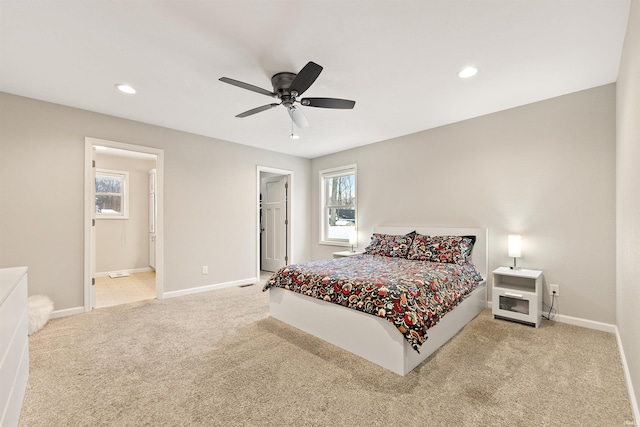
(217, 359)
(123, 290)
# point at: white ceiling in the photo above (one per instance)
(397, 59)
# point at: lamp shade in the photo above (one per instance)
(353, 237)
(515, 246)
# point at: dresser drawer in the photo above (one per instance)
(11, 314)
(14, 343)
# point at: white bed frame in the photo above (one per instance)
(374, 338)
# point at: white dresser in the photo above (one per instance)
(14, 343)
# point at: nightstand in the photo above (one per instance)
(342, 254)
(517, 295)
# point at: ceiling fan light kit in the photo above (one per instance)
(288, 87)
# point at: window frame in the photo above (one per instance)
(123, 176)
(323, 176)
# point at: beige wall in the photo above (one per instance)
(544, 170)
(123, 244)
(210, 213)
(628, 199)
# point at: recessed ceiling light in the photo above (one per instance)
(468, 72)
(125, 89)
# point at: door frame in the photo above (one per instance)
(290, 201)
(89, 207)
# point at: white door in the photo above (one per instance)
(274, 227)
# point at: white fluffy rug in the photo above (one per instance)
(40, 308)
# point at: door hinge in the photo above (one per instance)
(93, 163)
(286, 222)
(286, 185)
(93, 222)
(286, 259)
(93, 281)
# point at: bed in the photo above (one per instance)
(372, 336)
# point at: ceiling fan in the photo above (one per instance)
(287, 87)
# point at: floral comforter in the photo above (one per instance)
(413, 295)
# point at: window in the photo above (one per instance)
(112, 196)
(338, 217)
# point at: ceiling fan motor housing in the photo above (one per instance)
(281, 83)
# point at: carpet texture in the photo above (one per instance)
(217, 359)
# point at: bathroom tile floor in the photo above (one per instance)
(123, 290)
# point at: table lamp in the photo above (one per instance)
(515, 249)
(353, 238)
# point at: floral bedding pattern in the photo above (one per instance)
(453, 249)
(413, 295)
(390, 245)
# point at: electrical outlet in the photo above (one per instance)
(205, 269)
(554, 288)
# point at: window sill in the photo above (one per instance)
(334, 243)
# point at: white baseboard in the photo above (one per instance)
(208, 288)
(130, 270)
(627, 376)
(585, 323)
(66, 312)
(591, 324)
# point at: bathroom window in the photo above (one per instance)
(112, 195)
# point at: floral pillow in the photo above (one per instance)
(467, 245)
(390, 245)
(447, 249)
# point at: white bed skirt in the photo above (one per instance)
(374, 338)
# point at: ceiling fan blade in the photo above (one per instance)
(328, 103)
(257, 110)
(305, 78)
(247, 86)
(298, 116)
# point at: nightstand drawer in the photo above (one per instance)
(515, 304)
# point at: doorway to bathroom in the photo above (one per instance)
(124, 199)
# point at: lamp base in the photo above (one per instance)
(513, 267)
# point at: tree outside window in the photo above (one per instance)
(111, 194)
